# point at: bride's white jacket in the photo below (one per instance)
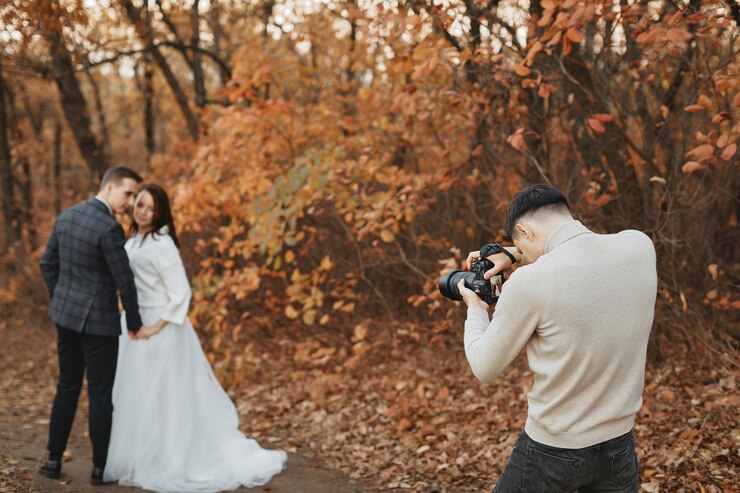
(160, 275)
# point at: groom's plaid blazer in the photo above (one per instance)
(84, 264)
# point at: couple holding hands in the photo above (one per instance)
(159, 418)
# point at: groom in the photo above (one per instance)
(84, 265)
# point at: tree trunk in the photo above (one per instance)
(56, 171)
(148, 94)
(172, 27)
(200, 96)
(144, 29)
(10, 221)
(538, 166)
(267, 7)
(214, 22)
(147, 86)
(26, 187)
(474, 14)
(73, 102)
(105, 142)
(23, 214)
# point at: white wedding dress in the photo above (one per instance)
(174, 428)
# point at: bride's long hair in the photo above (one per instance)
(162, 213)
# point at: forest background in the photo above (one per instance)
(328, 160)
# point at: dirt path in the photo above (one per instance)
(26, 443)
(27, 378)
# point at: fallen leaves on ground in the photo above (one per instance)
(14, 478)
(415, 418)
(406, 416)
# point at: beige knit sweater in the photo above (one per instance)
(583, 311)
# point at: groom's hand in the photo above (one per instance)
(133, 335)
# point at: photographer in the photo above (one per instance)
(582, 304)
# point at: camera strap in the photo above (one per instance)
(493, 248)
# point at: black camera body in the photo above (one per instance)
(480, 286)
(474, 279)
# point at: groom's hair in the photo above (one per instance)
(117, 174)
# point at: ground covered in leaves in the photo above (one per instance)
(403, 414)
(14, 478)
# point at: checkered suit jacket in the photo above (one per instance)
(84, 264)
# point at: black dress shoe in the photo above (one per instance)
(96, 476)
(52, 469)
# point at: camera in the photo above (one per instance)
(474, 280)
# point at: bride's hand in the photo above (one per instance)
(147, 331)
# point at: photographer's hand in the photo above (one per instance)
(469, 297)
(501, 261)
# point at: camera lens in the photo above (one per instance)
(448, 283)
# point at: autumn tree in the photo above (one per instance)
(329, 161)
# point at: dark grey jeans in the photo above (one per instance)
(609, 466)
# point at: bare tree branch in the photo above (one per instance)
(170, 44)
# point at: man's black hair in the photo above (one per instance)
(531, 199)
(117, 174)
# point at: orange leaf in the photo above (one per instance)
(404, 425)
(387, 236)
(529, 83)
(596, 125)
(548, 4)
(545, 90)
(705, 101)
(567, 46)
(291, 312)
(701, 152)
(652, 487)
(522, 71)
(720, 117)
(675, 18)
(309, 317)
(536, 48)
(692, 166)
(443, 393)
(574, 35)
(360, 333)
(693, 108)
(516, 140)
(678, 35)
(729, 151)
(666, 395)
(604, 117)
(688, 433)
(712, 268)
(555, 39)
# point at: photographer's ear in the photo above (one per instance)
(524, 232)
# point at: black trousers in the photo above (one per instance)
(97, 354)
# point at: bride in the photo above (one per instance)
(174, 428)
